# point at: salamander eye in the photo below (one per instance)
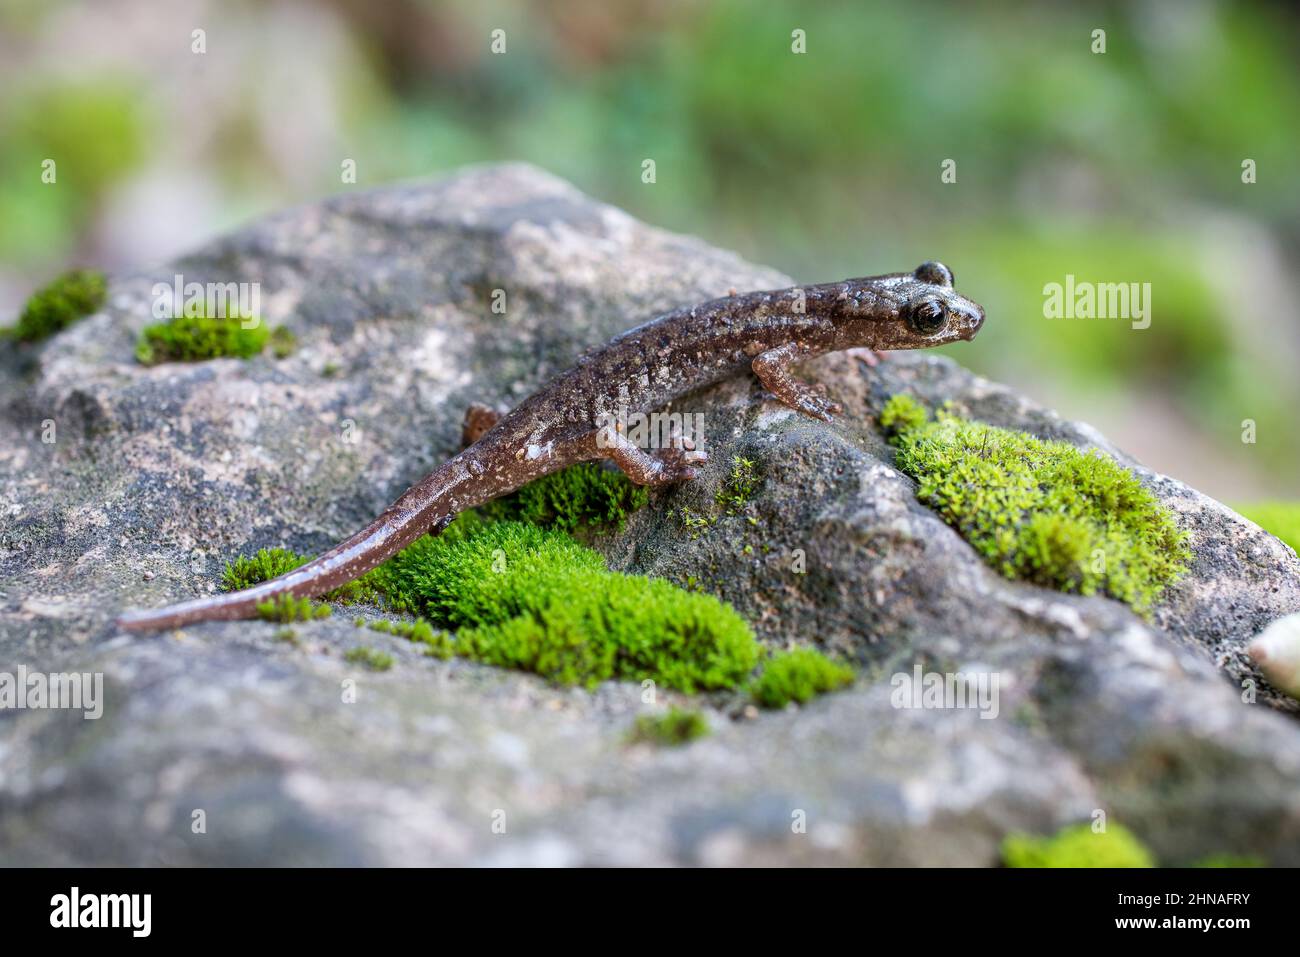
(927, 316)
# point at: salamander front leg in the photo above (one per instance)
(773, 370)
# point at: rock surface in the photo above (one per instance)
(157, 476)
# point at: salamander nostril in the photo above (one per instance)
(970, 318)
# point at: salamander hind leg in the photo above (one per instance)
(773, 370)
(667, 466)
(479, 420)
(681, 452)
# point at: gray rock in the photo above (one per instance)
(160, 475)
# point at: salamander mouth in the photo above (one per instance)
(971, 320)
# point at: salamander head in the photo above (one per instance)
(920, 309)
(935, 308)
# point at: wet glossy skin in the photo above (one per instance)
(638, 371)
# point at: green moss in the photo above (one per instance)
(530, 598)
(585, 494)
(1077, 846)
(696, 525)
(533, 599)
(246, 571)
(286, 608)
(484, 575)
(1280, 518)
(54, 307)
(676, 726)
(738, 487)
(199, 334)
(370, 658)
(901, 413)
(1044, 512)
(731, 498)
(798, 675)
(637, 629)
(437, 644)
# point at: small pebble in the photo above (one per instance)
(1276, 650)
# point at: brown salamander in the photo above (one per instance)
(640, 370)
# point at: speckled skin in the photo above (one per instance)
(638, 371)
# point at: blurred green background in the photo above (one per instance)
(1115, 167)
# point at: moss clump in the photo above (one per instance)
(246, 571)
(437, 644)
(52, 308)
(1077, 846)
(798, 676)
(199, 333)
(1279, 518)
(1044, 512)
(285, 609)
(483, 573)
(731, 498)
(697, 525)
(738, 487)
(530, 598)
(637, 629)
(581, 495)
(674, 727)
(369, 658)
(901, 413)
(533, 599)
